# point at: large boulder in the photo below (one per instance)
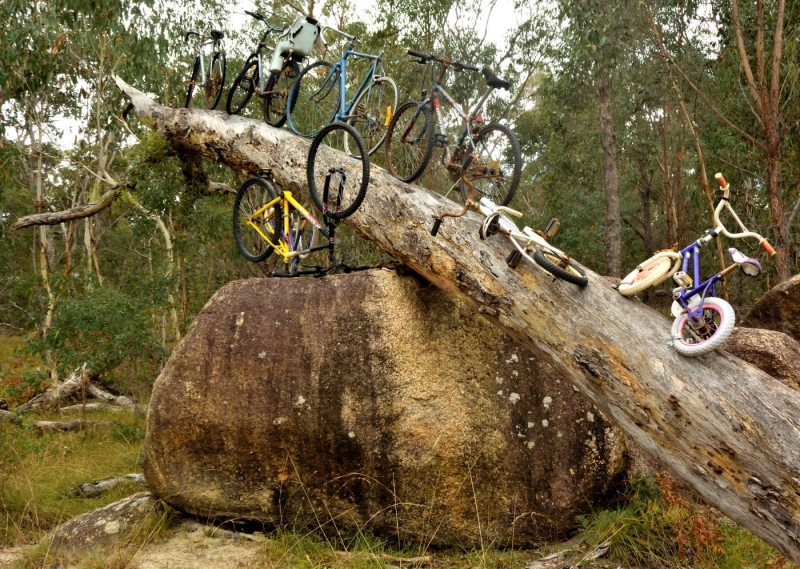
(772, 352)
(372, 401)
(778, 309)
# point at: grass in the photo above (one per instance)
(39, 470)
(656, 526)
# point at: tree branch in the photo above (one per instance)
(80, 212)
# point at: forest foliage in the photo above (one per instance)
(692, 88)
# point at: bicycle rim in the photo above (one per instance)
(372, 112)
(313, 99)
(497, 167)
(337, 182)
(253, 194)
(409, 141)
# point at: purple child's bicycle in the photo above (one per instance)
(702, 321)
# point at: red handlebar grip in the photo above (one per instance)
(765, 244)
(720, 180)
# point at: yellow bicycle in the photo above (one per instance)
(265, 220)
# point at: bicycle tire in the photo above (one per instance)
(564, 269)
(409, 141)
(495, 146)
(313, 102)
(372, 111)
(349, 175)
(713, 332)
(192, 82)
(243, 87)
(216, 80)
(253, 194)
(275, 104)
(651, 272)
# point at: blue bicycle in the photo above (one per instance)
(317, 98)
(702, 321)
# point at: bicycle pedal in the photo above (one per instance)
(440, 140)
(513, 259)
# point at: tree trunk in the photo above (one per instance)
(724, 428)
(613, 217)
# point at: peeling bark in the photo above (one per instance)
(723, 427)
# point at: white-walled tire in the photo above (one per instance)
(652, 272)
(719, 319)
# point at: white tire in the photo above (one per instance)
(652, 272)
(719, 320)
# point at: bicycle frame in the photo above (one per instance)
(216, 46)
(344, 110)
(466, 132)
(286, 241)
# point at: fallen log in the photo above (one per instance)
(89, 489)
(98, 406)
(721, 426)
(52, 396)
(63, 426)
(103, 395)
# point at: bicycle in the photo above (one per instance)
(265, 220)
(412, 136)
(317, 98)
(210, 79)
(272, 84)
(702, 321)
(496, 220)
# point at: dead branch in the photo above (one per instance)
(100, 486)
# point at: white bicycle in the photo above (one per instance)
(552, 260)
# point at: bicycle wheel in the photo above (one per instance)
(253, 194)
(715, 326)
(563, 268)
(215, 81)
(372, 112)
(497, 167)
(337, 182)
(192, 82)
(409, 141)
(652, 272)
(243, 87)
(278, 86)
(313, 99)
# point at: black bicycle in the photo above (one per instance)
(205, 85)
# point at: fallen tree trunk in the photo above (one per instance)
(51, 397)
(89, 489)
(74, 425)
(723, 427)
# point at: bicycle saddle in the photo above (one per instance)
(494, 81)
(217, 34)
(749, 266)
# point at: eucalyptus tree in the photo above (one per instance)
(751, 88)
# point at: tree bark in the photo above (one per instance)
(724, 428)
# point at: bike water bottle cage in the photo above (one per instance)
(749, 266)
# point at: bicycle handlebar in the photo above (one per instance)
(345, 35)
(724, 202)
(190, 33)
